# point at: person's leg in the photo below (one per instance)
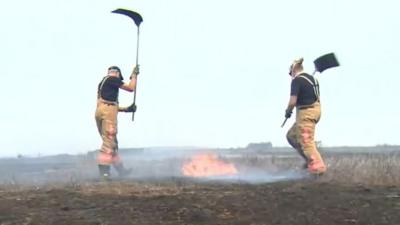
(291, 137)
(306, 124)
(108, 126)
(117, 163)
(122, 171)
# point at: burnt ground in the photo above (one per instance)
(359, 189)
(186, 201)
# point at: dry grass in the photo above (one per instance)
(364, 168)
(347, 168)
(381, 169)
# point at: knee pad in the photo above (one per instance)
(111, 131)
(307, 135)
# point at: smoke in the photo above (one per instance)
(258, 177)
(148, 164)
(252, 168)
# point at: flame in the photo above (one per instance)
(204, 165)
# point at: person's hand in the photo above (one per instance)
(135, 71)
(132, 108)
(288, 113)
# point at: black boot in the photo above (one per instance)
(122, 171)
(104, 171)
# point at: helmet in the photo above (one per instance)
(118, 69)
(295, 63)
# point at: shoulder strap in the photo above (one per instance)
(101, 85)
(315, 85)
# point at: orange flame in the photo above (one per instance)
(204, 165)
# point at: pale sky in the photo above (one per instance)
(213, 72)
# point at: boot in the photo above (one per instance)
(316, 166)
(104, 171)
(122, 171)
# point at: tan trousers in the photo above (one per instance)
(301, 136)
(107, 125)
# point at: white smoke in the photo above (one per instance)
(149, 164)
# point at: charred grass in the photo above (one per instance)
(361, 189)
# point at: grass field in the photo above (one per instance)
(359, 188)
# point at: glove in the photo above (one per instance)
(135, 71)
(288, 113)
(132, 108)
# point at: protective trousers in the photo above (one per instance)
(301, 136)
(106, 120)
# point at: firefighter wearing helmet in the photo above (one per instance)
(106, 119)
(304, 95)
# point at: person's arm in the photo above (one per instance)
(131, 108)
(294, 91)
(292, 102)
(131, 86)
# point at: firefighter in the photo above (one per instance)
(106, 119)
(304, 95)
